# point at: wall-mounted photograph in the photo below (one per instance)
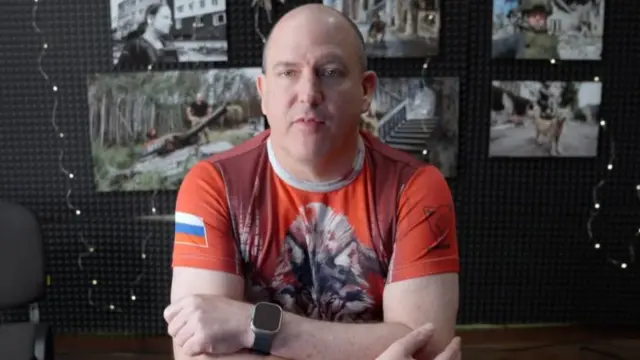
(418, 116)
(543, 119)
(548, 29)
(156, 33)
(395, 28)
(148, 128)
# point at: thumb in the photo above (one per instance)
(416, 339)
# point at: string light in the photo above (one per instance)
(423, 76)
(90, 248)
(597, 207)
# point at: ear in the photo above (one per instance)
(261, 85)
(369, 81)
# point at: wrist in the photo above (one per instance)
(247, 334)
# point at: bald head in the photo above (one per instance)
(326, 19)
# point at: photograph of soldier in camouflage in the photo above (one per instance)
(545, 119)
(395, 28)
(148, 128)
(548, 29)
(152, 33)
(418, 116)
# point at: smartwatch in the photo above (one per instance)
(266, 319)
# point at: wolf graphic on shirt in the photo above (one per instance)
(323, 269)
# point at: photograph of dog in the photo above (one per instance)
(394, 28)
(545, 119)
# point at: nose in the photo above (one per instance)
(309, 89)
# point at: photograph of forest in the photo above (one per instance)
(147, 129)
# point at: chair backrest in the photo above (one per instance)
(22, 276)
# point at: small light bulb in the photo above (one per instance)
(112, 307)
(638, 187)
(92, 249)
(78, 212)
(149, 67)
(609, 167)
(596, 79)
(623, 265)
(597, 246)
(425, 152)
(153, 210)
(597, 206)
(45, 45)
(55, 88)
(603, 123)
(553, 61)
(94, 282)
(70, 176)
(133, 298)
(61, 135)
(144, 256)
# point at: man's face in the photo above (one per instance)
(537, 19)
(314, 90)
(162, 21)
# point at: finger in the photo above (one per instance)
(194, 346)
(416, 339)
(183, 335)
(175, 307)
(177, 323)
(171, 311)
(452, 351)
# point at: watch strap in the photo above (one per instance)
(262, 343)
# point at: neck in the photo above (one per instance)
(150, 35)
(332, 167)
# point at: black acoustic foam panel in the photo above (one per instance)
(520, 221)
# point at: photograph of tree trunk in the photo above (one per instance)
(418, 116)
(542, 119)
(147, 129)
(548, 29)
(395, 28)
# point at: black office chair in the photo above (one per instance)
(22, 283)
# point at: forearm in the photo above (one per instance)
(306, 339)
(242, 355)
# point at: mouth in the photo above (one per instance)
(308, 120)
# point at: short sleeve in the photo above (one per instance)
(426, 241)
(203, 235)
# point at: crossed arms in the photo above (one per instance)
(422, 287)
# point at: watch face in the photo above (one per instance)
(267, 317)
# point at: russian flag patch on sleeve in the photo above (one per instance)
(190, 230)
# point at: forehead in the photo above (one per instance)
(164, 10)
(311, 39)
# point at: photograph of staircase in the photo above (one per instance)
(418, 116)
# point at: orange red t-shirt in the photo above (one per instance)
(317, 249)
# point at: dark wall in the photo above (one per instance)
(525, 253)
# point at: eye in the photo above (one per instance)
(332, 72)
(286, 73)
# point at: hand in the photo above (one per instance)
(405, 347)
(207, 324)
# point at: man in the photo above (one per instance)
(532, 39)
(197, 112)
(354, 240)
